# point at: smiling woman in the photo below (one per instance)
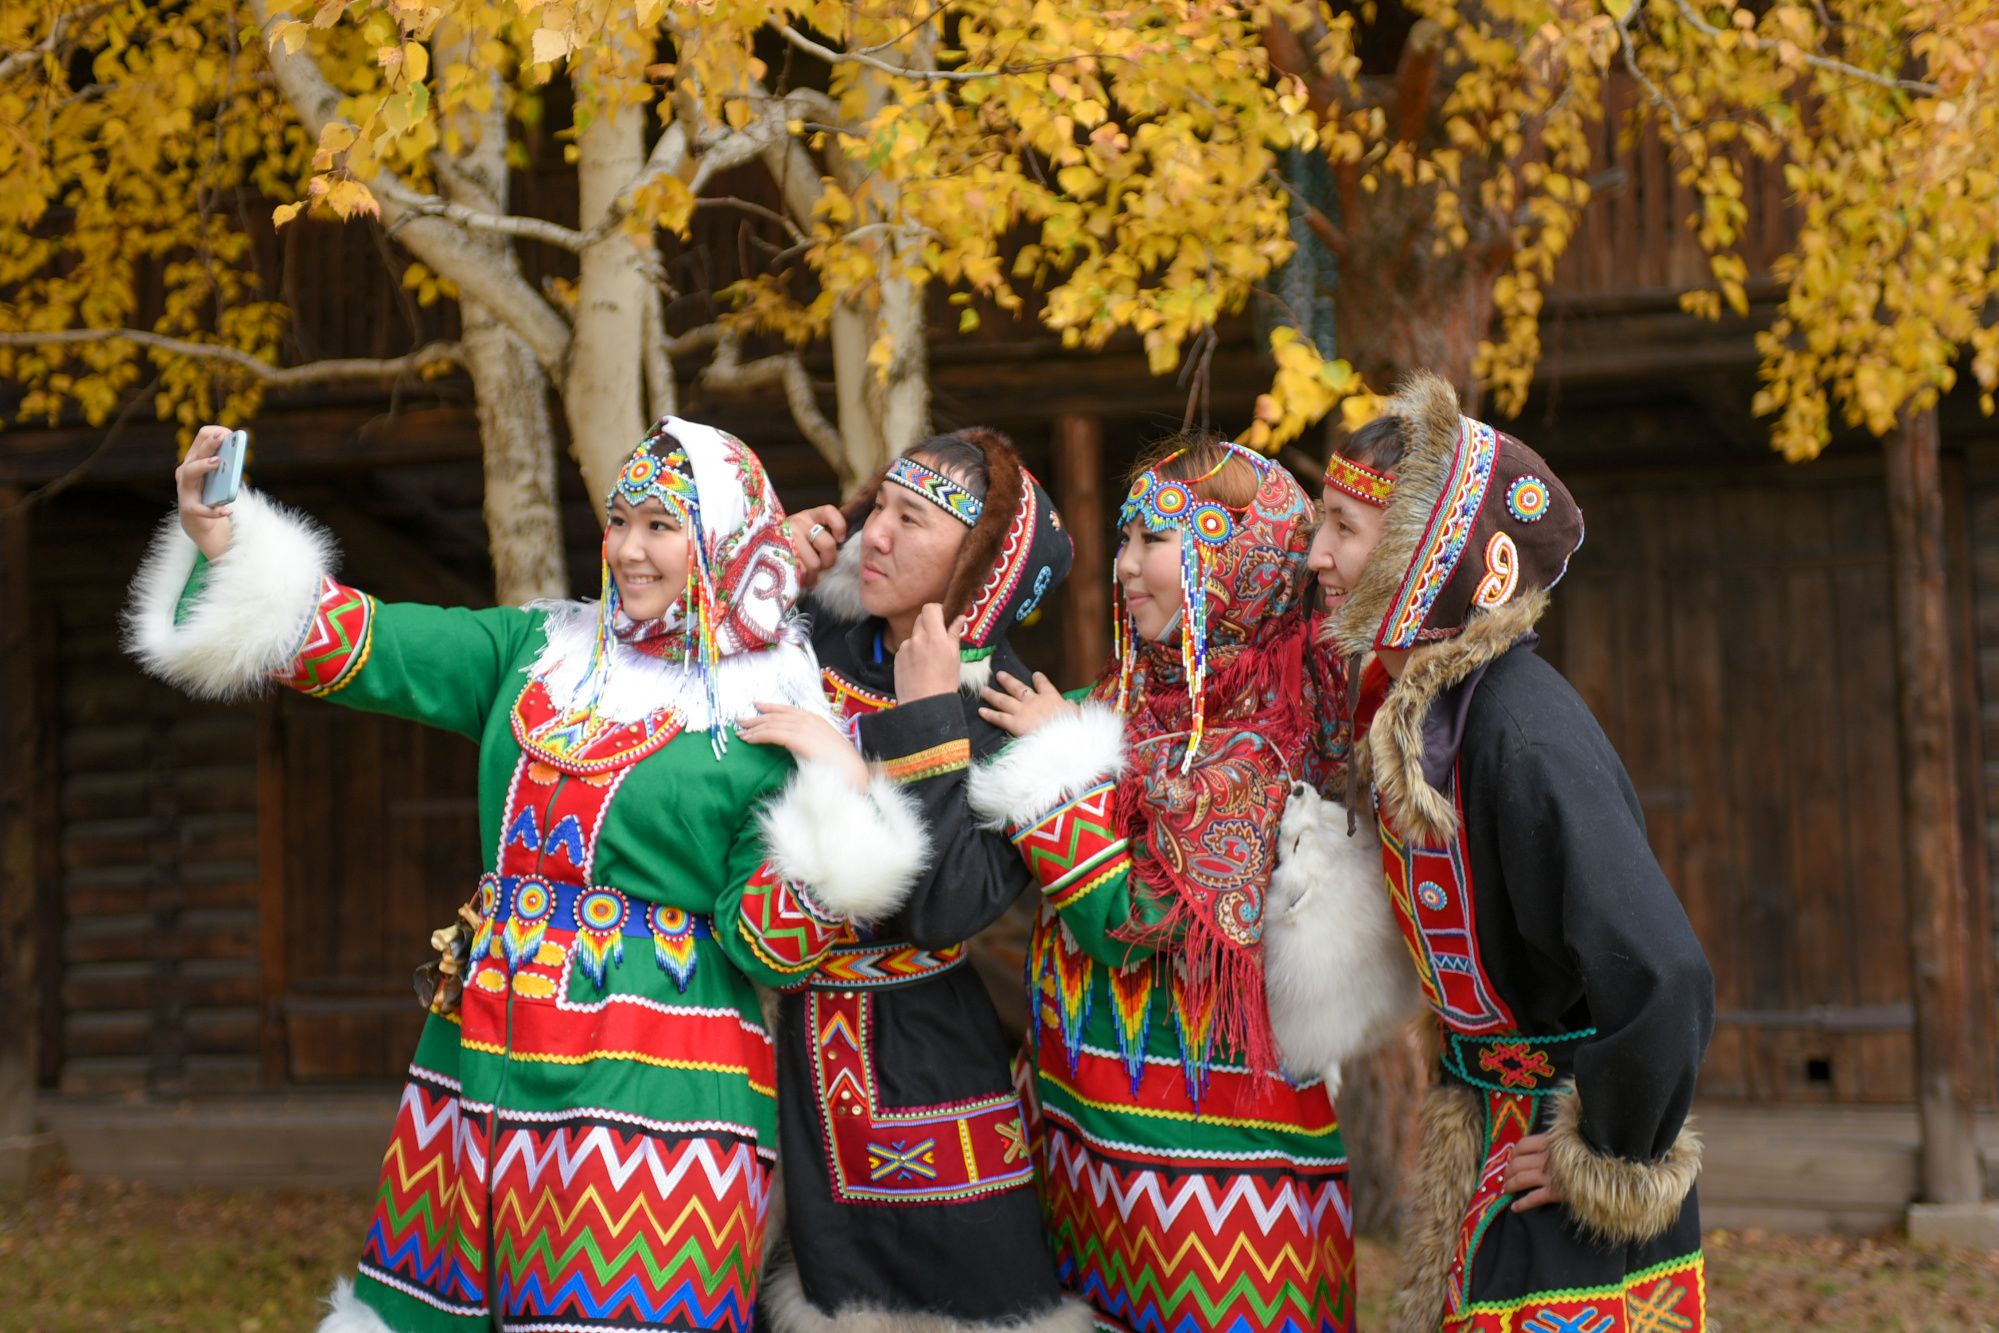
(642, 872)
(646, 549)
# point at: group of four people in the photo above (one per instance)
(736, 845)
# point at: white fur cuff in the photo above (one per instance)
(1335, 969)
(347, 1313)
(251, 614)
(1047, 767)
(857, 853)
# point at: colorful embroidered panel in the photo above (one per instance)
(982, 617)
(582, 743)
(784, 926)
(1075, 848)
(1665, 1298)
(337, 641)
(878, 967)
(903, 1155)
(1430, 889)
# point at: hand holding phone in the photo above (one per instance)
(206, 522)
(221, 485)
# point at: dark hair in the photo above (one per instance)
(1380, 444)
(962, 455)
(1235, 480)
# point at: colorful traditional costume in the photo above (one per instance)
(908, 1185)
(586, 1142)
(1187, 1185)
(1572, 994)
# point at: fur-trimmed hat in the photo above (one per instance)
(1477, 531)
(1016, 554)
(1476, 520)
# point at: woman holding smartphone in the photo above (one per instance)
(589, 1128)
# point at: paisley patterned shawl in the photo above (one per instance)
(1204, 842)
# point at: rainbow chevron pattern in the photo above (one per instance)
(610, 1225)
(876, 967)
(1172, 1243)
(427, 1236)
(938, 489)
(336, 643)
(783, 926)
(1075, 848)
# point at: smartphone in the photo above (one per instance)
(221, 485)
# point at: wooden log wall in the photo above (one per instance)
(156, 858)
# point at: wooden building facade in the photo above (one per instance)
(226, 899)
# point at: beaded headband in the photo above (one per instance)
(1205, 528)
(938, 489)
(1360, 481)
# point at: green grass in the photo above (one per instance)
(86, 1257)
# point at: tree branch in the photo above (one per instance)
(832, 57)
(436, 242)
(725, 373)
(22, 60)
(1416, 79)
(273, 377)
(416, 204)
(1825, 63)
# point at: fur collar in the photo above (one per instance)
(1429, 407)
(1418, 810)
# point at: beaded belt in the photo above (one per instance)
(1511, 1062)
(878, 965)
(519, 911)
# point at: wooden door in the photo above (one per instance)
(1731, 630)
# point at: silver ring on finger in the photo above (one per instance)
(813, 531)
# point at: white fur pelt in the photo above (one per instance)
(348, 1313)
(1335, 968)
(1056, 763)
(838, 591)
(638, 684)
(784, 1303)
(252, 614)
(857, 853)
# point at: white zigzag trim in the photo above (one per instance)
(1197, 1193)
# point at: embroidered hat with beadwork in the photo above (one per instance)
(1476, 519)
(1240, 569)
(742, 576)
(1016, 552)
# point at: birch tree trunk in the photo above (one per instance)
(604, 393)
(510, 390)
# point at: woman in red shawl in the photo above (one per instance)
(1186, 1182)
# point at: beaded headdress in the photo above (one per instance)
(1205, 527)
(742, 578)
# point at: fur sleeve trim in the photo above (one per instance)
(857, 853)
(1335, 969)
(1614, 1198)
(1041, 770)
(251, 615)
